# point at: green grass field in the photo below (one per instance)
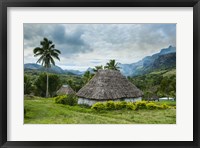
(45, 111)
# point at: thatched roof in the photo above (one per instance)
(65, 89)
(108, 85)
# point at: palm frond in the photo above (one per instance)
(56, 50)
(52, 61)
(52, 46)
(40, 59)
(37, 54)
(55, 55)
(37, 49)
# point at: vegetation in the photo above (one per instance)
(156, 84)
(47, 54)
(140, 105)
(65, 110)
(27, 84)
(69, 99)
(40, 85)
(112, 65)
(87, 77)
(46, 111)
(97, 68)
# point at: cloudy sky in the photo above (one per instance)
(88, 45)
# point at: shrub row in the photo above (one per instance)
(66, 100)
(111, 105)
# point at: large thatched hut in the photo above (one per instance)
(65, 90)
(108, 85)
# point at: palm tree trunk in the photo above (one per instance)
(47, 90)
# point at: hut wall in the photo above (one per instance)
(87, 101)
(91, 102)
(133, 99)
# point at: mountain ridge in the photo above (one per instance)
(164, 59)
(52, 69)
(150, 63)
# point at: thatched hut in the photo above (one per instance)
(65, 90)
(108, 85)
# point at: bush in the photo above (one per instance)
(60, 99)
(152, 106)
(99, 106)
(141, 105)
(120, 105)
(164, 106)
(130, 106)
(66, 99)
(71, 100)
(110, 105)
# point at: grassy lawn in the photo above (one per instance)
(45, 111)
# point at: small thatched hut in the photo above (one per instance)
(65, 90)
(108, 85)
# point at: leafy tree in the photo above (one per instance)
(54, 84)
(70, 83)
(168, 85)
(173, 94)
(112, 65)
(47, 54)
(27, 85)
(173, 87)
(87, 77)
(97, 68)
(147, 95)
(155, 84)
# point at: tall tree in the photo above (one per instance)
(46, 53)
(112, 65)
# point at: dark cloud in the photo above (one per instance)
(68, 43)
(60, 36)
(97, 43)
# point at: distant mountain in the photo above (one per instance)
(53, 69)
(90, 70)
(32, 66)
(170, 49)
(76, 72)
(165, 59)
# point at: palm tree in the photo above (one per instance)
(97, 68)
(111, 65)
(47, 54)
